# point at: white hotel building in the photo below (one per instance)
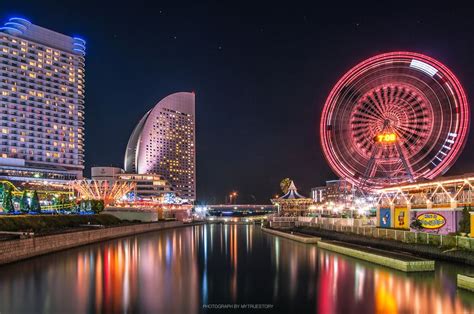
(41, 103)
(163, 143)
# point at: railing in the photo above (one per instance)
(282, 222)
(398, 235)
(289, 222)
(58, 207)
(359, 222)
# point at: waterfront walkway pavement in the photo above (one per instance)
(466, 282)
(399, 261)
(304, 238)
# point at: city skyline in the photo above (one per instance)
(194, 157)
(278, 89)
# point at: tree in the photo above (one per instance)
(24, 206)
(97, 206)
(35, 203)
(285, 184)
(100, 206)
(8, 201)
(465, 223)
(416, 224)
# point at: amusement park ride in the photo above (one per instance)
(391, 125)
(395, 118)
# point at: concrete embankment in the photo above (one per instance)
(15, 250)
(293, 236)
(423, 250)
(466, 282)
(393, 260)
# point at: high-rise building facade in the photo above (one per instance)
(41, 103)
(163, 143)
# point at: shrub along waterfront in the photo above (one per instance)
(48, 223)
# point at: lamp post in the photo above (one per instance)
(233, 197)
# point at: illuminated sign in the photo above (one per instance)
(385, 219)
(472, 226)
(386, 138)
(401, 218)
(431, 220)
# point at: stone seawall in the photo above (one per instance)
(294, 237)
(424, 250)
(466, 282)
(15, 250)
(388, 260)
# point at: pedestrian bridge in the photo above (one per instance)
(239, 210)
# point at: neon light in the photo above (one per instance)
(19, 19)
(386, 138)
(431, 220)
(79, 45)
(80, 39)
(79, 50)
(23, 27)
(420, 65)
(6, 28)
(348, 128)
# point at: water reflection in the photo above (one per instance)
(179, 270)
(145, 273)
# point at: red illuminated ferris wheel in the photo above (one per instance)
(394, 118)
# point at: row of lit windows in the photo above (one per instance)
(37, 65)
(53, 92)
(54, 111)
(41, 152)
(39, 148)
(10, 44)
(41, 125)
(57, 160)
(32, 45)
(52, 86)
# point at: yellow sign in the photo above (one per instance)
(386, 138)
(472, 225)
(431, 220)
(401, 218)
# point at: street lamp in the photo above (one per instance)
(233, 196)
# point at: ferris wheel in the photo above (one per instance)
(394, 118)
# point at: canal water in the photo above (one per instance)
(205, 268)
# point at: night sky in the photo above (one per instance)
(261, 73)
